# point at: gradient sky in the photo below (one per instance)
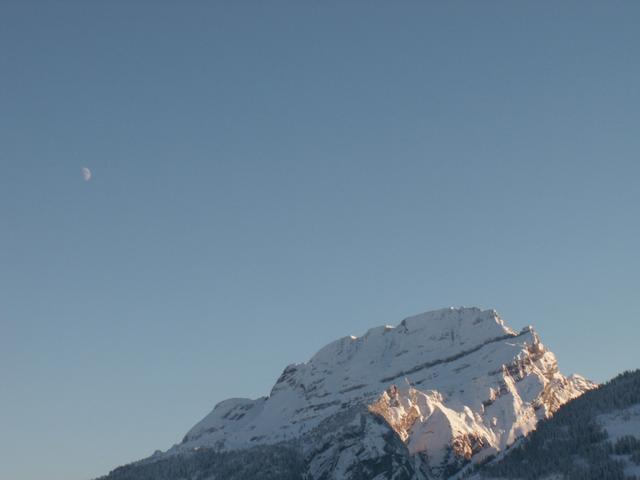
(270, 176)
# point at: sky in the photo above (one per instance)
(270, 176)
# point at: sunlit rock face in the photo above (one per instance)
(423, 398)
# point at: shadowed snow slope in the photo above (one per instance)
(454, 385)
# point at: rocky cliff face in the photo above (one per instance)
(450, 385)
(594, 437)
(415, 401)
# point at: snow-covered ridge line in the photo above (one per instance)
(475, 387)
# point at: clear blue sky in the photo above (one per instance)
(270, 176)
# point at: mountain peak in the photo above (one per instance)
(462, 325)
(464, 317)
(450, 380)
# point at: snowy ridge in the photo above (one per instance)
(454, 385)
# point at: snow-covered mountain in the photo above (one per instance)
(418, 400)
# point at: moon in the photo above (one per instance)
(86, 174)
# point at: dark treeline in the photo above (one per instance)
(264, 462)
(572, 443)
